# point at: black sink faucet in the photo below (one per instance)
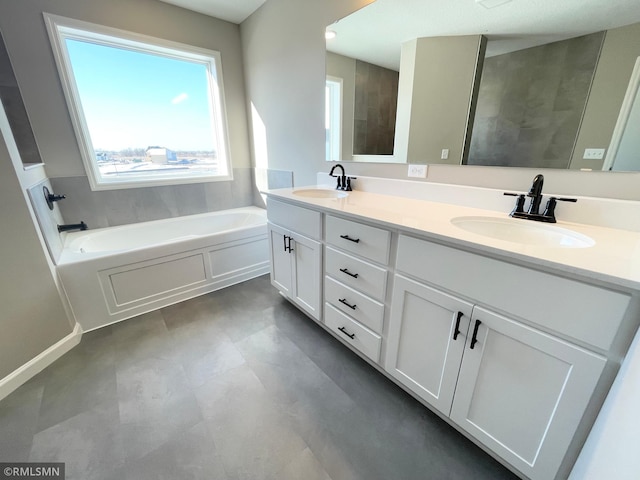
(535, 192)
(344, 182)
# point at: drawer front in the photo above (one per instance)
(364, 240)
(363, 276)
(299, 219)
(365, 310)
(353, 333)
(585, 312)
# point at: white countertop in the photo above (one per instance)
(614, 259)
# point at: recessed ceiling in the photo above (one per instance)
(235, 11)
(375, 32)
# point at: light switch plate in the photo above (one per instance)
(417, 171)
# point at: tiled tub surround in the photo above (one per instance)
(109, 208)
(571, 306)
(118, 272)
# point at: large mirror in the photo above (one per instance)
(547, 95)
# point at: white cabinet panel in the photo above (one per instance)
(298, 219)
(364, 276)
(364, 240)
(353, 333)
(306, 291)
(575, 309)
(522, 392)
(426, 339)
(365, 310)
(280, 259)
(296, 268)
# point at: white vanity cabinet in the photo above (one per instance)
(425, 342)
(518, 390)
(517, 356)
(356, 270)
(296, 254)
(522, 392)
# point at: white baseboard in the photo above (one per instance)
(34, 366)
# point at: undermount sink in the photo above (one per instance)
(320, 193)
(525, 232)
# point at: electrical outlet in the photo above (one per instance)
(417, 171)
(445, 154)
(593, 154)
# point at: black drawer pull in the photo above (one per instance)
(347, 237)
(344, 302)
(350, 335)
(284, 241)
(474, 338)
(289, 245)
(344, 270)
(457, 331)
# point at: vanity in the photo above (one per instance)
(510, 330)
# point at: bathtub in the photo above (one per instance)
(111, 274)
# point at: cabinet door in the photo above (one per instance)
(522, 392)
(427, 333)
(306, 289)
(281, 270)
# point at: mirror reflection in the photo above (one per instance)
(553, 105)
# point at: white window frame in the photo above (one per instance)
(333, 120)
(62, 28)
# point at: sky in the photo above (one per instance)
(136, 100)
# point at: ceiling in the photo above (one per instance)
(235, 11)
(375, 33)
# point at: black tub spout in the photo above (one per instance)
(72, 226)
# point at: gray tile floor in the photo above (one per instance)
(237, 384)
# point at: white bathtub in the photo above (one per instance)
(111, 274)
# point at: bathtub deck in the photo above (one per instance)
(110, 286)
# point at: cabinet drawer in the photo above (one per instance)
(364, 240)
(362, 308)
(579, 310)
(299, 219)
(356, 273)
(352, 332)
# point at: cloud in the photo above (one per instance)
(180, 98)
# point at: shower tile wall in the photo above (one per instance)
(531, 102)
(269, 178)
(376, 99)
(109, 208)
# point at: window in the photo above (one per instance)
(145, 111)
(333, 117)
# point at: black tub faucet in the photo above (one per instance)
(72, 226)
(344, 182)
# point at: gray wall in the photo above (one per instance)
(620, 50)
(15, 111)
(32, 316)
(434, 110)
(284, 56)
(531, 102)
(376, 101)
(345, 68)
(28, 45)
